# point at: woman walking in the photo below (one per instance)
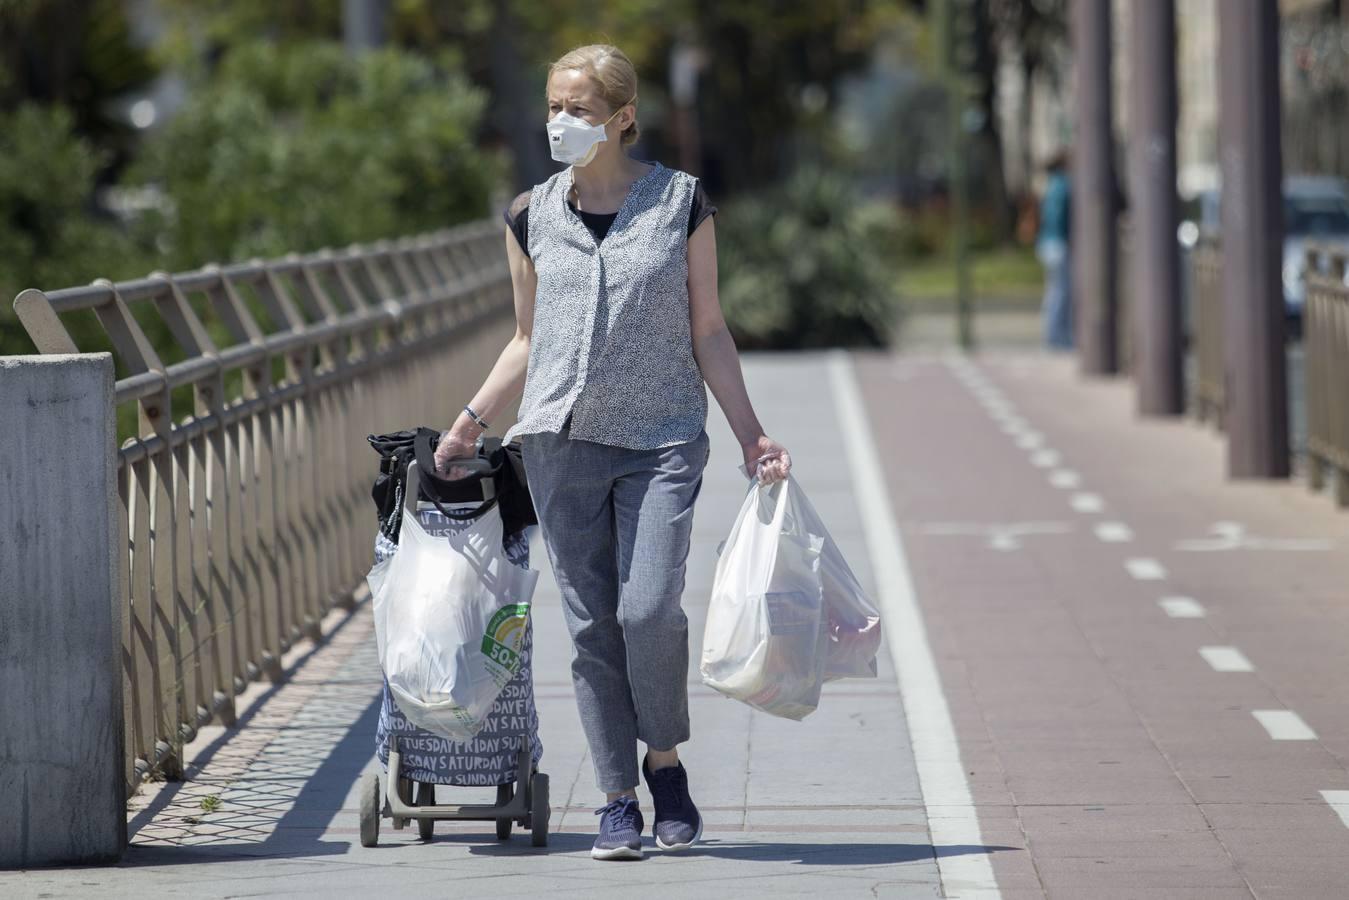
(619, 327)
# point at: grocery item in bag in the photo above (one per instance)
(854, 621)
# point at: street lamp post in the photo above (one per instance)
(953, 28)
(1093, 250)
(1155, 260)
(1256, 414)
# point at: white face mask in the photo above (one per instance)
(575, 141)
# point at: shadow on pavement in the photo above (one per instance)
(809, 854)
(203, 758)
(840, 854)
(298, 832)
(292, 792)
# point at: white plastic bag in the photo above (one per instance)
(766, 639)
(450, 614)
(787, 613)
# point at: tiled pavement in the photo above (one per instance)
(1112, 622)
(1103, 619)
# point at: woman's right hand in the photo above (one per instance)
(454, 445)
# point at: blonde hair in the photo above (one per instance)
(613, 74)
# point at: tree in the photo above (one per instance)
(296, 147)
(78, 54)
(1038, 32)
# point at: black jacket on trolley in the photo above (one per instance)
(504, 465)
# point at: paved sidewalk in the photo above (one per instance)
(830, 805)
(1147, 666)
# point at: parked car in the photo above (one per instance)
(1315, 210)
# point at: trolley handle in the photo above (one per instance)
(424, 465)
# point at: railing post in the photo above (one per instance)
(1336, 346)
(63, 777)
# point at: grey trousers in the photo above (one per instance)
(616, 524)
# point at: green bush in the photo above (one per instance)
(301, 147)
(809, 264)
(49, 238)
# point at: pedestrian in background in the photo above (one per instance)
(619, 329)
(1053, 250)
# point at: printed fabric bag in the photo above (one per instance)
(450, 614)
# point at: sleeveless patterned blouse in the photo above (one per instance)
(612, 345)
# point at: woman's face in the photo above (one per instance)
(575, 93)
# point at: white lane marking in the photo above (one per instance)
(932, 735)
(1114, 532)
(1181, 607)
(1226, 659)
(1087, 503)
(1064, 478)
(1233, 536)
(1001, 536)
(1339, 801)
(1145, 569)
(1284, 725)
(1030, 440)
(1044, 459)
(1013, 428)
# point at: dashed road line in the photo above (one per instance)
(1284, 725)
(1182, 607)
(1065, 479)
(1045, 459)
(1087, 503)
(1145, 569)
(1114, 532)
(1339, 801)
(1226, 659)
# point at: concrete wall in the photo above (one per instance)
(62, 778)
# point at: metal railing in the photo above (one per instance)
(248, 519)
(1207, 297)
(1325, 333)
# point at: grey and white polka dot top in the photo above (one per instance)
(612, 343)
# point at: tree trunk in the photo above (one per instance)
(988, 141)
(517, 115)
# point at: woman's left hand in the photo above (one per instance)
(772, 459)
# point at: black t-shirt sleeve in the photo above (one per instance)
(702, 207)
(517, 219)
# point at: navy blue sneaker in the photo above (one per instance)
(677, 826)
(620, 830)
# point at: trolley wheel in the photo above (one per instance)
(505, 793)
(369, 791)
(426, 796)
(539, 811)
